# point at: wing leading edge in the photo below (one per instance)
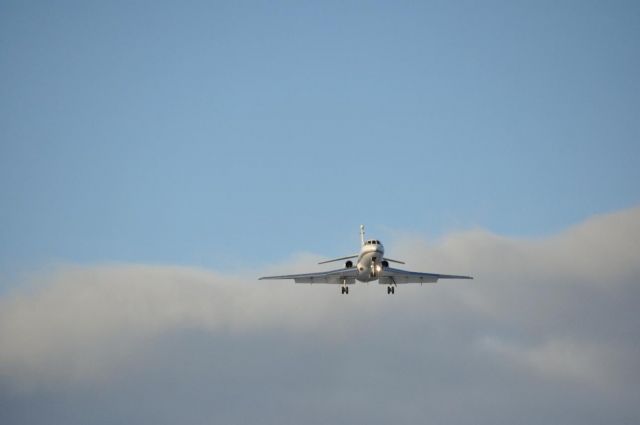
(390, 276)
(340, 276)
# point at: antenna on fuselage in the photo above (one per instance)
(362, 234)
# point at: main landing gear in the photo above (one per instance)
(391, 290)
(345, 290)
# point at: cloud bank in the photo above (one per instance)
(548, 332)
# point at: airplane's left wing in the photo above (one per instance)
(340, 276)
(390, 276)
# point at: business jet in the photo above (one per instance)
(371, 265)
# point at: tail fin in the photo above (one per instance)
(362, 234)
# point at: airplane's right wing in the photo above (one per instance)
(340, 276)
(390, 276)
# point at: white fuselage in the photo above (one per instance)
(369, 262)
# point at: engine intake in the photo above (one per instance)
(348, 264)
(385, 263)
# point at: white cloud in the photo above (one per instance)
(585, 362)
(80, 323)
(560, 310)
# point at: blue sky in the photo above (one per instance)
(182, 133)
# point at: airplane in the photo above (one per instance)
(371, 265)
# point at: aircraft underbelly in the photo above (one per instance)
(367, 265)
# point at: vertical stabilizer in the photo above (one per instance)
(362, 234)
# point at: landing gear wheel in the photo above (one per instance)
(345, 290)
(391, 290)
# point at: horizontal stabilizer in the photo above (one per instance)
(394, 261)
(338, 259)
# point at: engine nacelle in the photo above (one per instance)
(385, 263)
(348, 264)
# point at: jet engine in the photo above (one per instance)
(385, 263)
(348, 264)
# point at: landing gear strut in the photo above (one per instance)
(391, 290)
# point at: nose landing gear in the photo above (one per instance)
(391, 290)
